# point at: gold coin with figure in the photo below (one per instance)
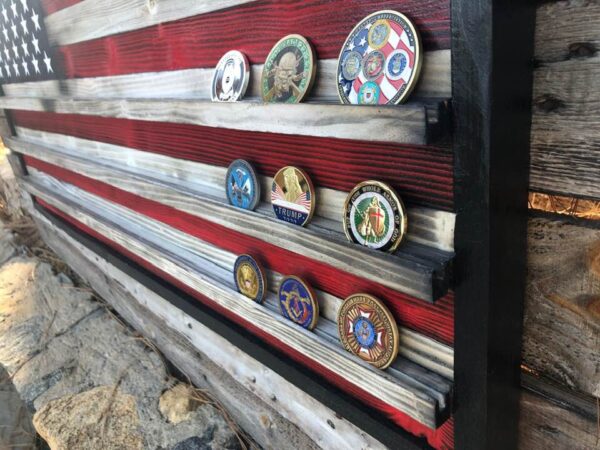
(367, 328)
(289, 71)
(293, 196)
(250, 278)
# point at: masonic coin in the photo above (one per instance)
(250, 278)
(374, 216)
(368, 329)
(390, 50)
(243, 188)
(293, 196)
(289, 71)
(298, 302)
(231, 77)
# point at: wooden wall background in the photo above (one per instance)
(561, 341)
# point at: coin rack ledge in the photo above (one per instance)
(124, 156)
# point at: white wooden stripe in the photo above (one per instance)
(415, 347)
(302, 410)
(399, 394)
(406, 124)
(196, 83)
(405, 272)
(430, 227)
(92, 19)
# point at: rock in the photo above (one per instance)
(177, 404)
(193, 443)
(102, 418)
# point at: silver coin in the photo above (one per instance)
(231, 77)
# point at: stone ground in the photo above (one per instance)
(88, 380)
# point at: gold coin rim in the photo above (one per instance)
(313, 300)
(261, 273)
(312, 194)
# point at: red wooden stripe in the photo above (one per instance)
(253, 28)
(435, 320)
(440, 438)
(422, 175)
(51, 6)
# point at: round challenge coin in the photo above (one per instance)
(298, 302)
(243, 188)
(368, 329)
(390, 50)
(293, 196)
(231, 76)
(250, 278)
(375, 216)
(289, 71)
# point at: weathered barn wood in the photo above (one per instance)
(237, 379)
(197, 83)
(565, 138)
(431, 227)
(412, 123)
(562, 312)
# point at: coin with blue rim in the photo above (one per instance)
(250, 279)
(298, 302)
(367, 328)
(243, 188)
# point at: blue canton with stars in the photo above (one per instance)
(24, 49)
(358, 44)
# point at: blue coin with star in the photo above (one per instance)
(242, 186)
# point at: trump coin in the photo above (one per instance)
(298, 302)
(250, 278)
(231, 77)
(367, 329)
(242, 186)
(374, 216)
(390, 50)
(293, 196)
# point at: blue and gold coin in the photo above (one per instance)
(351, 65)
(391, 57)
(250, 278)
(374, 216)
(298, 302)
(293, 196)
(243, 188)
(367, 328)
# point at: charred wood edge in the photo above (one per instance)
(577, 402)
(370, 420)
(428, 271)
(492, 89)
(403, 124)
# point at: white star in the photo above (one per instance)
(36, 21)
(25, 67)
(24, 25)
(341, 79)
(48, 63)
(16, 51)
(13, 6)
(368, 26)
(7, 69)
(351, 46)
(7, 53)
(25, 5)
(5, 13)
(5, 32)
(362, 42)
(13, 27)
(25, 48)
(36, 45)
(16, 67)
(36, 65)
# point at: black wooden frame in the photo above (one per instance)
(492, 66)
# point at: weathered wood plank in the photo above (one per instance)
(93, 19)
(196, 83)
(565, 137)
(427, 226)
(408, 124)
(415, 347)
(412, 270)
(220, 367)
(562, 312)
(401, 394)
